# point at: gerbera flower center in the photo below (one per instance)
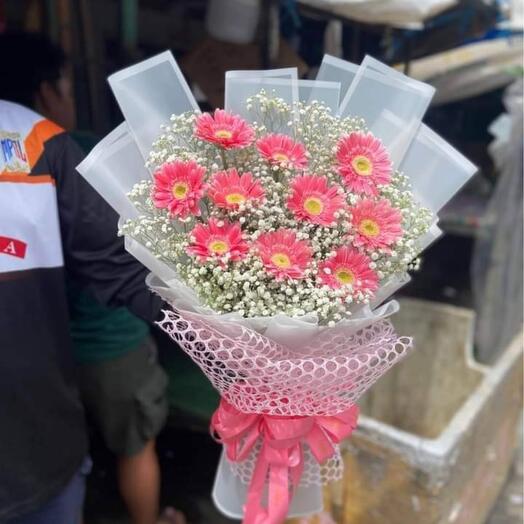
(223, 134)
(280, 157)
(369, 228)
(345, 276)
(362, 165)
(281, 260)
(180, 190)
(218, 247)
(313, 206)
(235, 198)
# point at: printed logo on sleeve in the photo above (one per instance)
(12, 246)
(13, 156)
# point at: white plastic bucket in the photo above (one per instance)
(233, 21)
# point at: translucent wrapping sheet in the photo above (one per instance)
(230, 488)
(240, 89)
(392, 105)
(318, 91)
(144, 256)
(396, 282)
(148, 94)
(389, 288)
(426, 240)
(334, 69)
(414, 138)
(435, 169)
(446, 164)
(113, 167)
(238, 83)
(289, 73)
(497, 259)
(292, 332)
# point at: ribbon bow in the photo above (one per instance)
(281, 455)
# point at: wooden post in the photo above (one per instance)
(270, 32)
(129, 25)
(94, 62)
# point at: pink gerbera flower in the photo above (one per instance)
(282, 150)
(377, 224)
(313, 200)
(178, 187)
(229, 189)
(283, 255)
(217, 239)
(348, 268)
(363, 163)
(224, 129)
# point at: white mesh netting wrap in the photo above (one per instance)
(314, 474)
(257, 375)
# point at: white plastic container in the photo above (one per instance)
(233, 21)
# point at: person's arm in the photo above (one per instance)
(95, 256)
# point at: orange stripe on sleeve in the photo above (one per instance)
(24, 178)
(34, 142)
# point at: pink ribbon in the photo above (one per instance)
(281, 457)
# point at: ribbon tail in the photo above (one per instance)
(297, 468)
(320, 445)
(254, 512)
(278, 494)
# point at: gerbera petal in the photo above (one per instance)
(376, 224)
(348, 268)
(216, 240)
(178, 187)
(283, 255)
(224, 130)
(280, 149)
(363, 163)
(228, 189)
(312, 200)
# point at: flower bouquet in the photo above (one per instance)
(276, 229)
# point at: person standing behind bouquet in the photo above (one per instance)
(66, 230)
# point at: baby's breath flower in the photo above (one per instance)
(243, 285)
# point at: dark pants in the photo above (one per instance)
(66, 507)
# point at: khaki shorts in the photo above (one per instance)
(126, 397)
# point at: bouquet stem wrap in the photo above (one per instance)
(280, 461)
(284, 409)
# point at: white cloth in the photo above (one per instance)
(397, 13)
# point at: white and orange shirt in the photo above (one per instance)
(33, 240)
(53, 227)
